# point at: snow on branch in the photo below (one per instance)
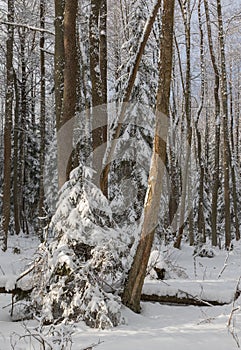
(21, 25)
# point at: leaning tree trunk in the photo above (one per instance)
(7, 131)
(127, 94)
(132, 291)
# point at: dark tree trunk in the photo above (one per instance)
(59, 60)
(7, 131)
(226, 145)
(42, 119)
(98, 74)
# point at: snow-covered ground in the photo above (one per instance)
(158, 326)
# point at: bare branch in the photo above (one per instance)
(21, 25)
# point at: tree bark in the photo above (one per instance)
(201, 220)
(233, 159)
(42, 119)
(132, 291)
(216, 180)
(226, 145)
(186, 14)
(98, 74)
(16, 159)
(7, 131)
(66, 124)
(59, 60)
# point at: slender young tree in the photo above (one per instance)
(186, 15)
(201, 220)
(226, 146)
(16, 208)
(8, 130)
(42, 113)
(216, 172)
(233, 161)
(59, 60)
(132, 291)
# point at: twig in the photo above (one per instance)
(2, 271)
(224, 266)
(234, 309)
(26, 272)
(90, 347)
(194, 297)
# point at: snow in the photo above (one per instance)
(8, 282)
(222, 290)
(159, 326)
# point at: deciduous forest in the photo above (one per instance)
(120, 182)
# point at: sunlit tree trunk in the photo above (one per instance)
(67, 116)
(59, 60)
(132, 291)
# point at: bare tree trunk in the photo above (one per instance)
(237, 132)
(16, 159)
(201, 221)
(23, 130)
(186, 14)
(66, 125)
(132, 291)
(59, 60)
(226, 146)
(216, 180)
(42, 118)
(7, 131)
(98, 74)
(233, 160)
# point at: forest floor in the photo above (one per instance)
(159, 326)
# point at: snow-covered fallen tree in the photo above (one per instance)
(189, 292)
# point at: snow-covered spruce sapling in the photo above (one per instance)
(86, 260)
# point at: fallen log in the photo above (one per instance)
(22, 293)
(191, 292)
(153, 292)
(181, 300)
